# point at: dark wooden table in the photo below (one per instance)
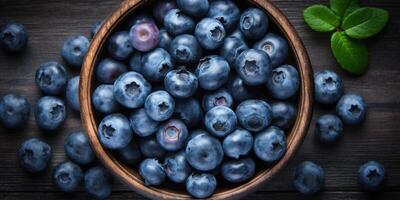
(50, 22)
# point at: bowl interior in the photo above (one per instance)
(297, 57)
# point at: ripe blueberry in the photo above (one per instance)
(351, 108)
(220, 121)
(50, 113)
(51, 78)
(254, 115)
(172, 135)
(131, 90)
(34, 155)
(114, 131)
(14, 111)
(270, 144)
(284, 83)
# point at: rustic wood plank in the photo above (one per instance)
(51, 22)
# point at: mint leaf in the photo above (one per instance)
(351, 54)
(344, 7)
(320, 18)
(365, 22)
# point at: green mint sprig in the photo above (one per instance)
(351, 23)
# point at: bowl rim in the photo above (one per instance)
(121, 171)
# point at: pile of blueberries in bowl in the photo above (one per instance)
(196, 94)
(200, 93)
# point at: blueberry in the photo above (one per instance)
(161, 9)
(150, 148)
(238, 143)
(51, 78)
(78, 149)
(189, 111)
(254, 115)
(172, 135)
(351, 108)
(13, 37)
(103, 99)
(74, 50)
(284, 83)
(254, 23)
(236, 171)
(328, 87)
(177, 23)
(201, 185)
(109, 70)
(181, 83)
(270, 144)
(283, 114)
(371, 175)
(141, 124)
(14, 111)
(210, 33)
(95, 28)
(119, 45)
(152, 172)
(114, 131)
(72, 93)
(232, 48)
(177, 168)
(67, 176)
(156, 64)
(226, 12)
(328, 128)
(165, 39)
(204, 152)
(194, 8)
(159, 105)
(131, 90)
(50, 113)
(254, 67)
(130, 154)
(212, 72)
(98, 182)
(238, 89)
(220, 121)
(135, 62)
(34, 155)
(185, 49)
(275, 46)
(309, 178)
(218, 98)
(144, 36)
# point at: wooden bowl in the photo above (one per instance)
(129, 175)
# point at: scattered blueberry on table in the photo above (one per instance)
(78, 149)
(98, 182)
(50, 113)
(14, 111)
(308, 178)
(371, 175)
(72, 93)
(13, 37)
(51, 78)
(190, 79)
(67, 176)
(74, 50)
(34, 155)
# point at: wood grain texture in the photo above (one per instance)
(51, 22)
